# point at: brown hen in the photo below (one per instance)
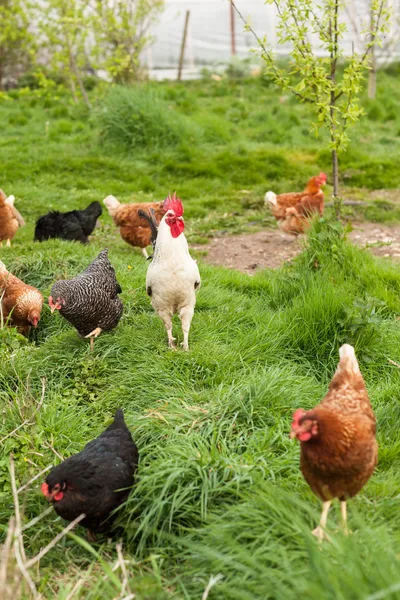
(293, 211)
(134, 230)
(21, 304)
(339, 450)
(10, 219)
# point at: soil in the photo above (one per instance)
(270, 248)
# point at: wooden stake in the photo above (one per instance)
(233, 40)
(182, 55)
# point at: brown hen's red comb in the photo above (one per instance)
(297, 416)
(323, 176)
(175, 204)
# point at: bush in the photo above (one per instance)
(138, 118)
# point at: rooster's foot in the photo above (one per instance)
(185, 346)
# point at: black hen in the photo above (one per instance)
(75, 225)
(90, 301)
(95, 480)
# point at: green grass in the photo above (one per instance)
(219, 489)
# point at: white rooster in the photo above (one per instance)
(173, 276)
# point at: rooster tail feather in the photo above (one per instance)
(270, 198)
(151, 219)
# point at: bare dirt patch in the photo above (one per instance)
(271, 248)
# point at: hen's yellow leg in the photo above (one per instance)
(319, 531)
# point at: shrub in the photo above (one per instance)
(139, 118)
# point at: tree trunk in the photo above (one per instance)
(75, 71)
(372, 77)
(73, 88)
(337, 201)
(1, 70)
(372, 73)
(334, 35)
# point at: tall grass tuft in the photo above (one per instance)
(138, 118)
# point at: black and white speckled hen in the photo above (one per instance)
(96, 480)
(90, 300)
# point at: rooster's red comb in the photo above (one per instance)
(175, 204)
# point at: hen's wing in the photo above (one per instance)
(113, 455)
(282, 202)
(309, 205)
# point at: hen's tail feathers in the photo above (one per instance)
(119, 421)
(111, 203)
(348, 360)
(149, 216)
(348, 371)
(10, 202)
(94, 208)
(270, 198)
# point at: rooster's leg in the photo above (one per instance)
(343, 510)
(171, 339)
(319, 531)
(144, 252)
(92, 335)
(167, 320)
(186, 316)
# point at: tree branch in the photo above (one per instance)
(269, 57)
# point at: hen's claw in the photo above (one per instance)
(91, 536)
(95, 333)
(92, 335)
(319, 533)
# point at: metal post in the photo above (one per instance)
(182, 55)
(233, 40)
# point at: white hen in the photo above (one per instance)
(173, 276)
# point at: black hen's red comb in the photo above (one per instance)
(175, 204)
